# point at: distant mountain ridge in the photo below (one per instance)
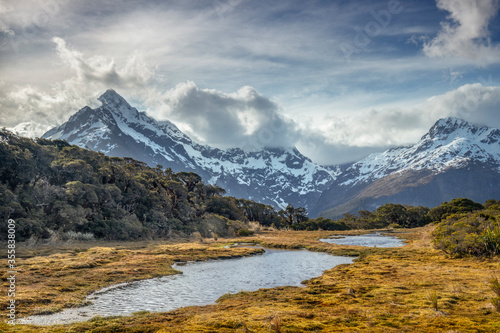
(29, 129)
(273, 176)
(454, 159)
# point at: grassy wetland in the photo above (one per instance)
(415, 288)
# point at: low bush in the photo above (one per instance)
(245, 232)
(471, 234)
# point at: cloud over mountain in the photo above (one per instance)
(244, 118)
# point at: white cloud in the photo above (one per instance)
(346, 139)
(89, 78)
(467, 36)
(474, 102)
(244, 118)
(99, 69)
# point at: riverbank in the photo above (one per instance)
(410, 289)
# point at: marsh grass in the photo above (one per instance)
(456, 287)
(275, 322)
(432, 296)
(61, 276)
(391, 288)
(495, 287)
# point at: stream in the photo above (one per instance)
(202, 283)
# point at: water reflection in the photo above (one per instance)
(368, 240)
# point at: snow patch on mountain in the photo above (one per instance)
(451, 143)
(29, 129)
(276, 176)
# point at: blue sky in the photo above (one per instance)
(337, 79)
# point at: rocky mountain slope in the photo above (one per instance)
(454, 159)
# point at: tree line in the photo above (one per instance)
(53, 188)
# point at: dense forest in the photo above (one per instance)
(54, 190)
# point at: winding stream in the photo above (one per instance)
(201, 283)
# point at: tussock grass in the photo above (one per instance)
(432, 296)
(391, 288)
(495, 286)
(50, 279)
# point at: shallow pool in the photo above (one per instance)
(369, 240)
(201, 283)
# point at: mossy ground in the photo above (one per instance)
(385, 290)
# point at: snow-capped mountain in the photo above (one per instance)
(29, 129)
(454, 159)
(274, 176)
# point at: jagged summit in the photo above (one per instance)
(111, 97)
(454, 159)
(451, 142)
(446, 126)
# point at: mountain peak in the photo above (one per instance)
(445, 126)
(112, 98)
(452, 122)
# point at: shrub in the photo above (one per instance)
(245, 232)
(474, 234)
(72, 235)
(320, 223)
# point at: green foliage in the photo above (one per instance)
(225, 206)
(495, 287)
(292, 215)
(492, 204)
(393, 215)
(470, 234)
(245, 232)
(455, 206)
(53, 189)
(266, 215)
(433, 297)
(320, 223)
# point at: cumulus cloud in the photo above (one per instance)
(476, 103)
(89, 78)
(467, 35)
(243, 119)
(101, 70)
(347, 139)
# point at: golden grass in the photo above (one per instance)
(49, 279)
(385, 290)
